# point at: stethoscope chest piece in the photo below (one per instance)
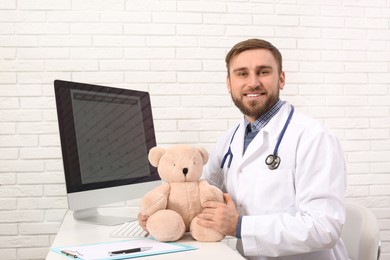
(273, 161)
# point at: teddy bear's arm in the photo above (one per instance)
(209, 192)
(155, 200)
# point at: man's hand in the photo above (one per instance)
(142, 221)
(220, 216)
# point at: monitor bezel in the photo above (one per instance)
(68, 135)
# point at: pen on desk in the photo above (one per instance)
(129, 251)
(71, 253)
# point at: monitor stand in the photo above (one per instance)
(93, 216)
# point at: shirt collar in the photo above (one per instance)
(265, 118)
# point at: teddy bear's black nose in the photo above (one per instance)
(185, 171)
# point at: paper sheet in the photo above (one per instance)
(101, 250)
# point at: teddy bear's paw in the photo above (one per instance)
(204, 234)
(166, 225)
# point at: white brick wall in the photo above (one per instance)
(336, 57)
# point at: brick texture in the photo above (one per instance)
(336, 58)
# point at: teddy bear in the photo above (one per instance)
(173, 206)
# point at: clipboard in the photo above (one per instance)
(101, 251)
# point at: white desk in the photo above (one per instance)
(76, 233)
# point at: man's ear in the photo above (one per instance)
(228, 84)
(282, 80)
(155, 155)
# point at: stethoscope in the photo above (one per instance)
(273, 160)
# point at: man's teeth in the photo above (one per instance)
(253, 95)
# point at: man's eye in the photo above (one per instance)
(242, 74)
(263, 72)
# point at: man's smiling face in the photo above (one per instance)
(254, 82)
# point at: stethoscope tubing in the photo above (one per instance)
(229, 152)
(275, 153)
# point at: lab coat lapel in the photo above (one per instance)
(238, 142)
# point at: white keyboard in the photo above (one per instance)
(129, 229)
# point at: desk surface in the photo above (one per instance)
(76, 233)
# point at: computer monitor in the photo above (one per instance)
(106, 134)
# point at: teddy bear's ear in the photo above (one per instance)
(204, 154)
(155, 155)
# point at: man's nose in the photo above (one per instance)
(253, 80)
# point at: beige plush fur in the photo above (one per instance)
(172, 207)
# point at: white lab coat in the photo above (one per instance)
(293, 212)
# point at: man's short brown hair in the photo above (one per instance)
(252, 44)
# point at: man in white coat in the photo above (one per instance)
(283, 173)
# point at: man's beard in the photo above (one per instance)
(255, 109)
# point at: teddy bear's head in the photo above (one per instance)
(179, 163)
